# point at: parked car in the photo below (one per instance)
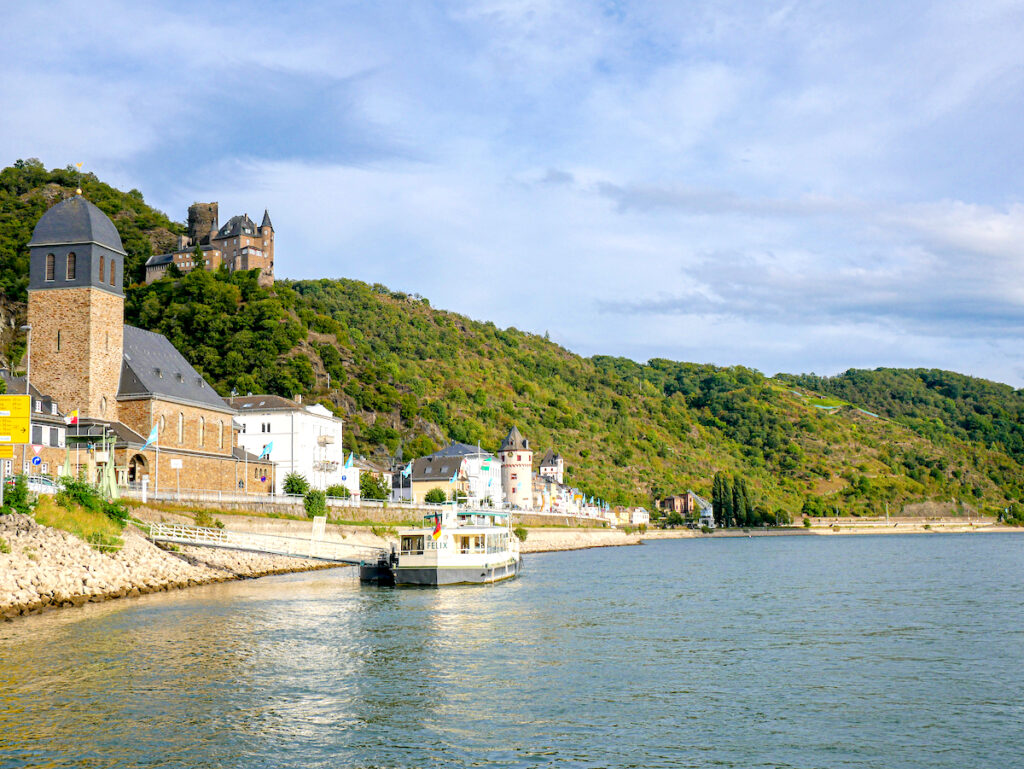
(37, 484)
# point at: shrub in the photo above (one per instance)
(78, 492)
(295, 483)
(706, 529)
(315, 502)
(807, 523)
(436, 497)
(371, 487)
(521, 532)
(16, 497)
(204, 520)
(338, 491)
(4, 547)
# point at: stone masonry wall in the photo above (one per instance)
(140, 415)
(201, 472)
(87, 367)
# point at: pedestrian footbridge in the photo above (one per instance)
(314, 546)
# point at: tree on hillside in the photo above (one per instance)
(721, 499)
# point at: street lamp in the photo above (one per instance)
(28, 355)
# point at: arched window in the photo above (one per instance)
(103, 405)
(163, 423)
(70, 274)
(181, 427)
(220, 434)
(102, 271)
(51, 267)
(202, 431)
(113, 277)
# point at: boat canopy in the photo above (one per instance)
(467, 513)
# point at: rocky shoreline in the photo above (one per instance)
(48, 568)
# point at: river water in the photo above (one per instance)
(893, 651)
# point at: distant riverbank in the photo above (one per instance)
(552, 540)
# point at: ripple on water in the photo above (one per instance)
(784, 652)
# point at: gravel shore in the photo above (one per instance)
(49, 568)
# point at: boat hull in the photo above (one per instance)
(460, 575)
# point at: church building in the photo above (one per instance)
(122, 381)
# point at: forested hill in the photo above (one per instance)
(402, 372)
(934, 403)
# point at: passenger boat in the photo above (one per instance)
(453, 547)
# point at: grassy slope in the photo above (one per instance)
(93, 527)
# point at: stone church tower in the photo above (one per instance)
(516, 470)
(76, 308)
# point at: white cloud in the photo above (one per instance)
(789, 185)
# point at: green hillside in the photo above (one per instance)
(402, 372)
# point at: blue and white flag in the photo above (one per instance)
(454, 476)
(350, 461)
(267, 449)
(153, 435)
(407, 471)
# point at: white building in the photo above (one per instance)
(303, 439)
(639, 517)
(552, 466)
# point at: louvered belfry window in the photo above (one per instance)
(71, 266)
(51, 266)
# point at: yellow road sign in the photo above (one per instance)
(6, 452)
(14, 416)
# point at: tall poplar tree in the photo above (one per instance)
(728, 506)
(717, 496)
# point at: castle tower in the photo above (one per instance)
(202, 223)
(267, 233)
(76, 308)
(516, 470)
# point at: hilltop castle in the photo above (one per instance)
(239, 245)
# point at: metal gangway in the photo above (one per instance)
(314, 546)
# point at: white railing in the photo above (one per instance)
(214, 496)
(270, 544)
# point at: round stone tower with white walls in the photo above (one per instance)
(516, 470)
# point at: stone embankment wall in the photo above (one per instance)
(389, 515)
(48, 568)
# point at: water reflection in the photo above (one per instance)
(761, 652)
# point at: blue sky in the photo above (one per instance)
(793, 186)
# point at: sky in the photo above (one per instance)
(790, 186)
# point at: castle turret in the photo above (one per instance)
(76, 307)
(267, 266)
(516, 469)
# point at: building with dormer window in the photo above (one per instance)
(239, 245)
